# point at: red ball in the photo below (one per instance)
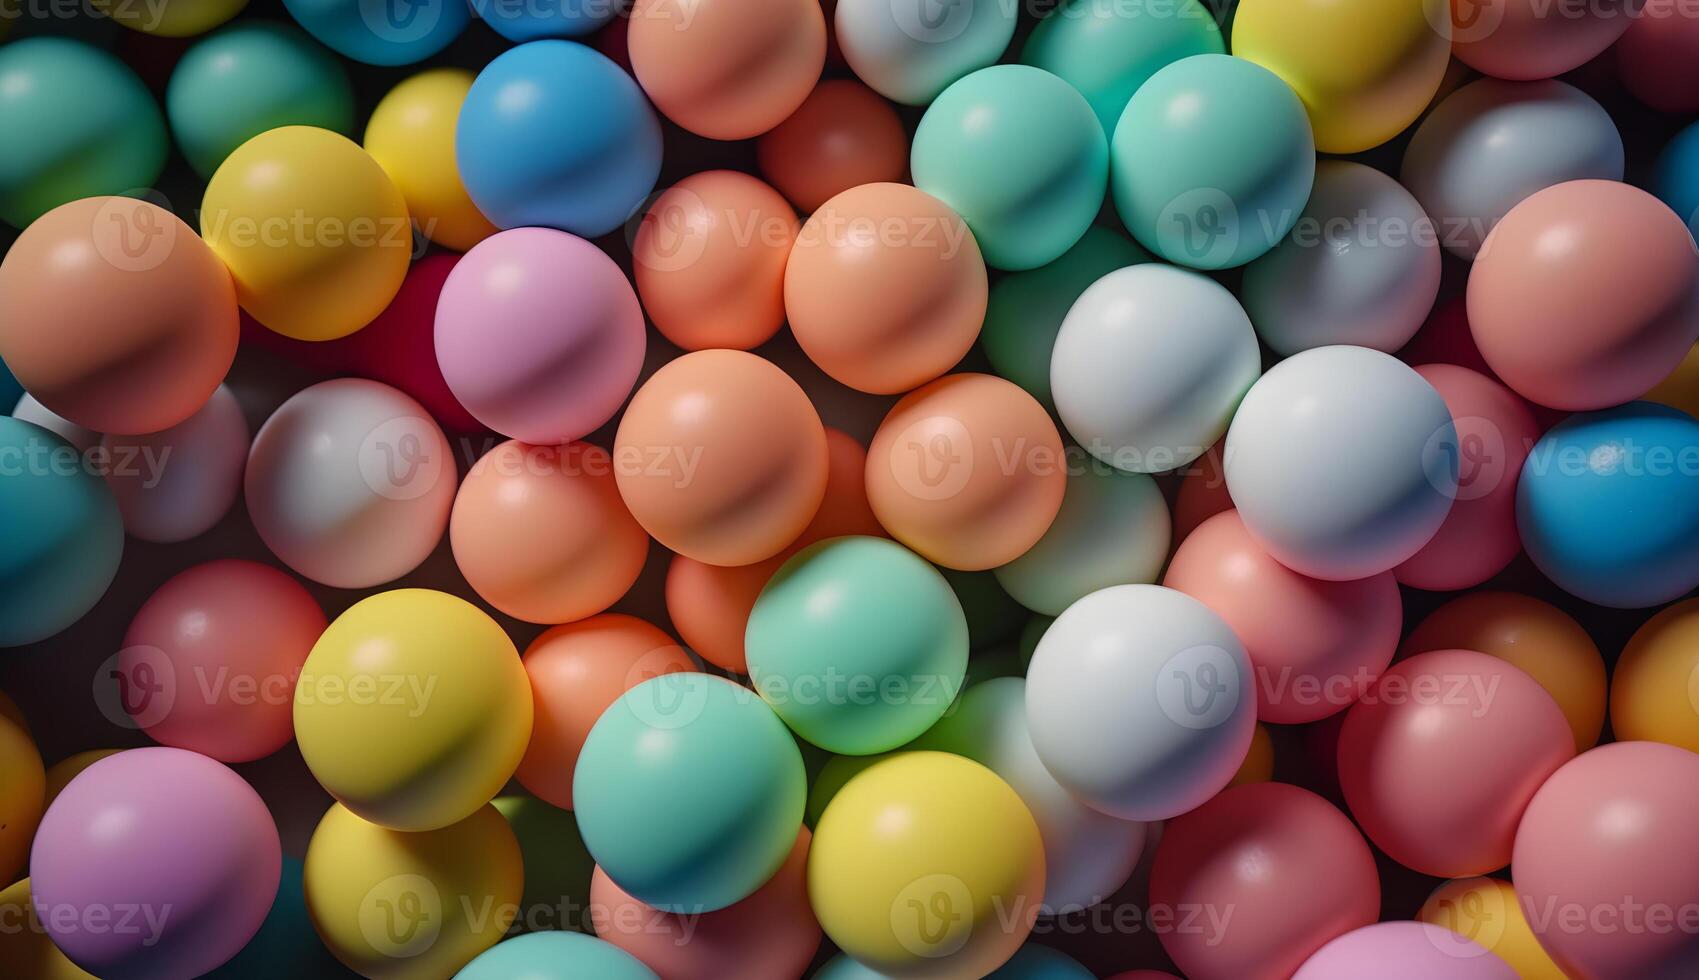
(399, 347)
(1658, 56)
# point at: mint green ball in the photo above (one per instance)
(557, 867)
(250, 78)
(1025, 311)
(1108, 48)
(858, 644)
(78, 123)
(1018, 153)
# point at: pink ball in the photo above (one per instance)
(1584, 296)
(1527, 39)
(1441, 756)
(1404, 951)
(1495, 432)
(210, 661)
(1608, 849)
(177, 483)
(539, 335)
(399, 347)
(1315, 646)
(1658, 56)
(1292, 868)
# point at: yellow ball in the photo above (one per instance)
(412, 905)
(1258, 766)
(413, 709)
(23, 788)
(25, 950)
(1655, 690)
(1487, 911)
(411, 135)
(10, 709)
(1681, 389)
(927, 864)
(1365, 69)
(170, 18)
(315, 233)
(68, 768)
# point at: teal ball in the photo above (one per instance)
(555, 956)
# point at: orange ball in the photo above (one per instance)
(710, 261)
(886, 288)
(710, 604)
(116, 316)
(576, 672)
(592, 550)
(721, 457)
(843, 135)
(968, 471)
(727, 69)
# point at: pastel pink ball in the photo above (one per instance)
(1404, 951)
(539, 335)
(1441, 756)
(177, 483)
(1495, 432)
(1609, 833)
(1528, 39)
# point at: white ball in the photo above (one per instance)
(1342, 462)
(1360, 267)
(1139, 702)
(1149, 364)
(911, 50)
(177, 483)
(31, 411)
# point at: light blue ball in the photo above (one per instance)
(555, 135)
(555, 956)
(60, 534)
(1018, 153)
(532, 20)
(1608, 505)
(383, 32)
(1212, 161)
(1675, 179)
(689, 792)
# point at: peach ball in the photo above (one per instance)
(541, 534)
(842, 136)
(721, 457)
(886, 288)
(710, 261)
(968, 472)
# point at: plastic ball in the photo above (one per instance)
(411, 136)
(1258, 766)
(25, 949)
(727, 69)
(23, 799)
(211, 659)
(555, 956)
(1673, 175)
(1113, 529)
(1598, 322)
(1403, 950)
(1654, 688)
(1360, 267)
(161, 830)
(34, 412)
(79, 123)
(557, 867)
(858, 644)
(1314, 645)
(771, 935)
(1036, 962)
(350, 483)
(314, 232)
(885, 288)
(1681, 389)
(730, 457)
(178, 483)
(1609, 835)
(1634, 463)
(171, 18)
(286, 947)
(520, 22)
(554, 134)
(63, 535)
(412, 906)
(1211, 162)
(689, 743)
(1293, 869)
(115, 316)
(967, 471)
(1524, 39)
(709, 260)
(10, 391)
(1088, 855)
(1107, 50)
(1541, 639)
(1134, 391)
(539, 335)
(960, 872)
(413, 709)
(1492, 143)
(1487, 912)
(909, 52)
(60, 774)
(1018, 154)
(1655, 57)
(577, 671)
(842, 136)
(592, 556)
(379, 32)
(1140, 701)
(399, 347)
(1471, 738)
(1342, 462)
(247, 79)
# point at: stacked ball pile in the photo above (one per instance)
(1055, 425)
